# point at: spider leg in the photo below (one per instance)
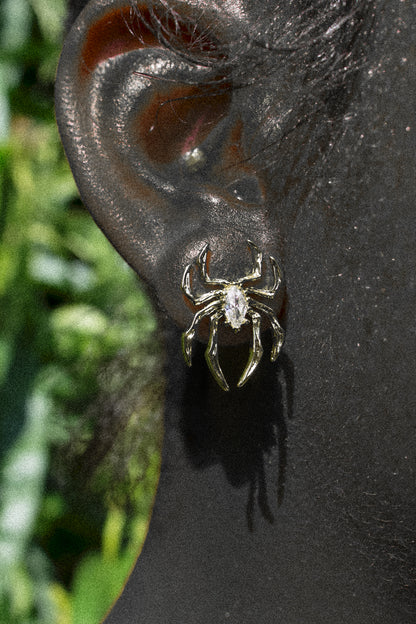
(278, 333)
(203, 267)
(211, 354)
(189, 335)
(277, 278)
(256, 350)
(186, 288)
(257, 258)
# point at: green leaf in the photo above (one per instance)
(96, 586)
(61, 599)
(16, 19)
(113, 533)
(51, 16)
(22, 479)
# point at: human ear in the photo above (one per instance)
(155, 138)
(181, 132)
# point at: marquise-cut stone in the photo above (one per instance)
(235, 306)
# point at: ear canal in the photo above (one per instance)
(130, 103)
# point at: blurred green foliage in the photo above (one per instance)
(80, 374)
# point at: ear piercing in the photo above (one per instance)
(237, 303)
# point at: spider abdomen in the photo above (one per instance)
(235, 306)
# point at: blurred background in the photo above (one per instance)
(80, 361)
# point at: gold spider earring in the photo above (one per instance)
(233, 301)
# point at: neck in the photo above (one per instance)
(223, 537)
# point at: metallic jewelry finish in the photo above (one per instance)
(219, 303)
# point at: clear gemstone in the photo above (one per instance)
(235, 306)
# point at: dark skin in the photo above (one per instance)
(292, 499)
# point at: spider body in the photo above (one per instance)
(236, 302)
